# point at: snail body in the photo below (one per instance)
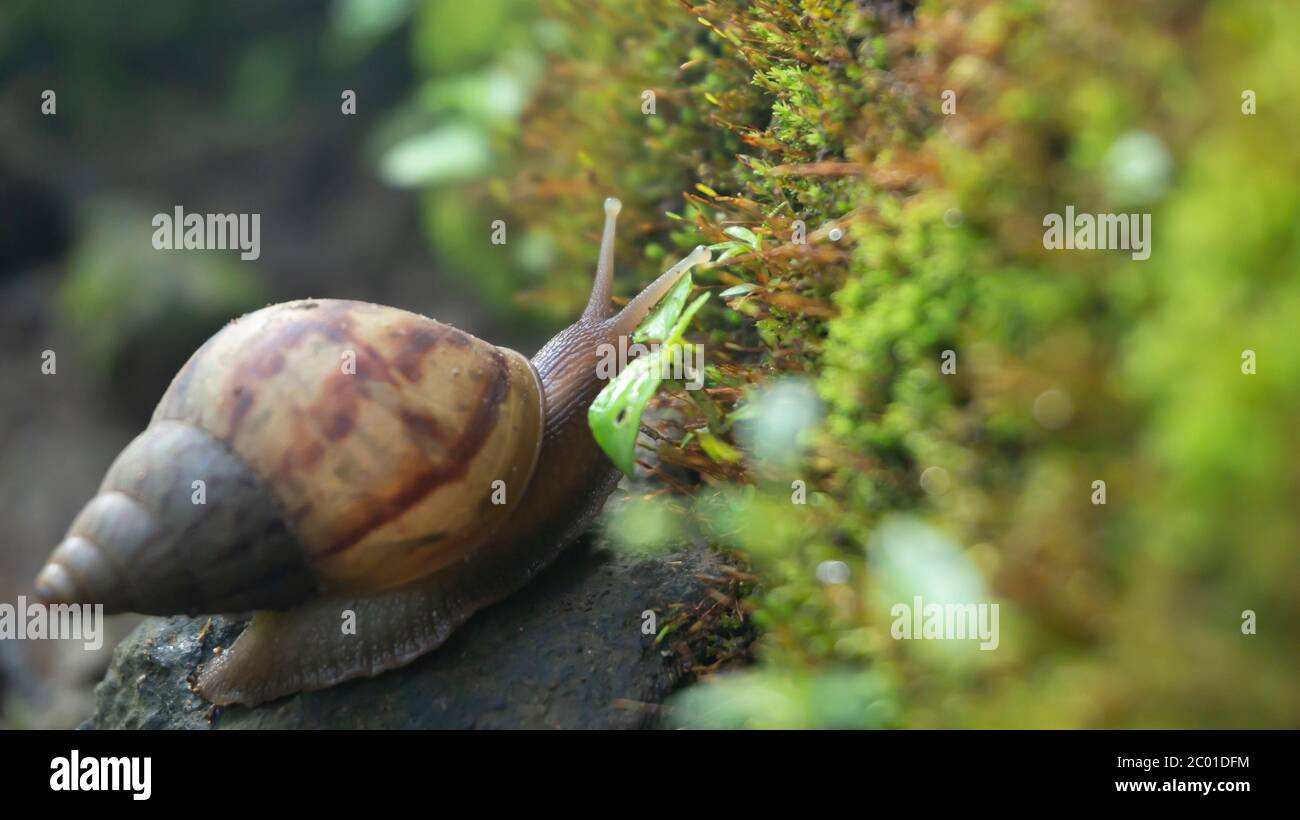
(321, 458)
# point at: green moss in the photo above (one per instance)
(1127, 614)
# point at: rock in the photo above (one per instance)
(567, 651)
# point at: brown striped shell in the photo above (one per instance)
(380, 432)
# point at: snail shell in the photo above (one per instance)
(323, 457)
(367, 438)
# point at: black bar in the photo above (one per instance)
(1001, 767)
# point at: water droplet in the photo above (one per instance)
(1137, 168)
(935, 481)
(833, 572)
(1053, 409)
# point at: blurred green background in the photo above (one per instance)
(744, 125)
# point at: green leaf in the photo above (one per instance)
(660, 321)
(733, 249)
(717, 449)
(666, 631)
(615, 415)
(738, 290)
(744, 235)
(746, 412)
(675, 336)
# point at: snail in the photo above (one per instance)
(321, 459)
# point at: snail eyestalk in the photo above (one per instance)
(598, 306)
(631, 316)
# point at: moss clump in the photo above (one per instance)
(924, 230)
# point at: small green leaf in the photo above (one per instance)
(717, 449)
(745, 412)
(744, 235)
(733, 249)
(615, 415)
(675, 337)
(738, 290)
(666, 631)
(660, 321)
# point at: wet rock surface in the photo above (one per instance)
(567, 651)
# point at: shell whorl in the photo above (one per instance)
(144, 543)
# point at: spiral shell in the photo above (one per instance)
(391, 446)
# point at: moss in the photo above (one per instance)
(925, 236)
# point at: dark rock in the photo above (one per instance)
(567, 651)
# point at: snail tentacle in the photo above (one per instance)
(598, 304)
(636, 311)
